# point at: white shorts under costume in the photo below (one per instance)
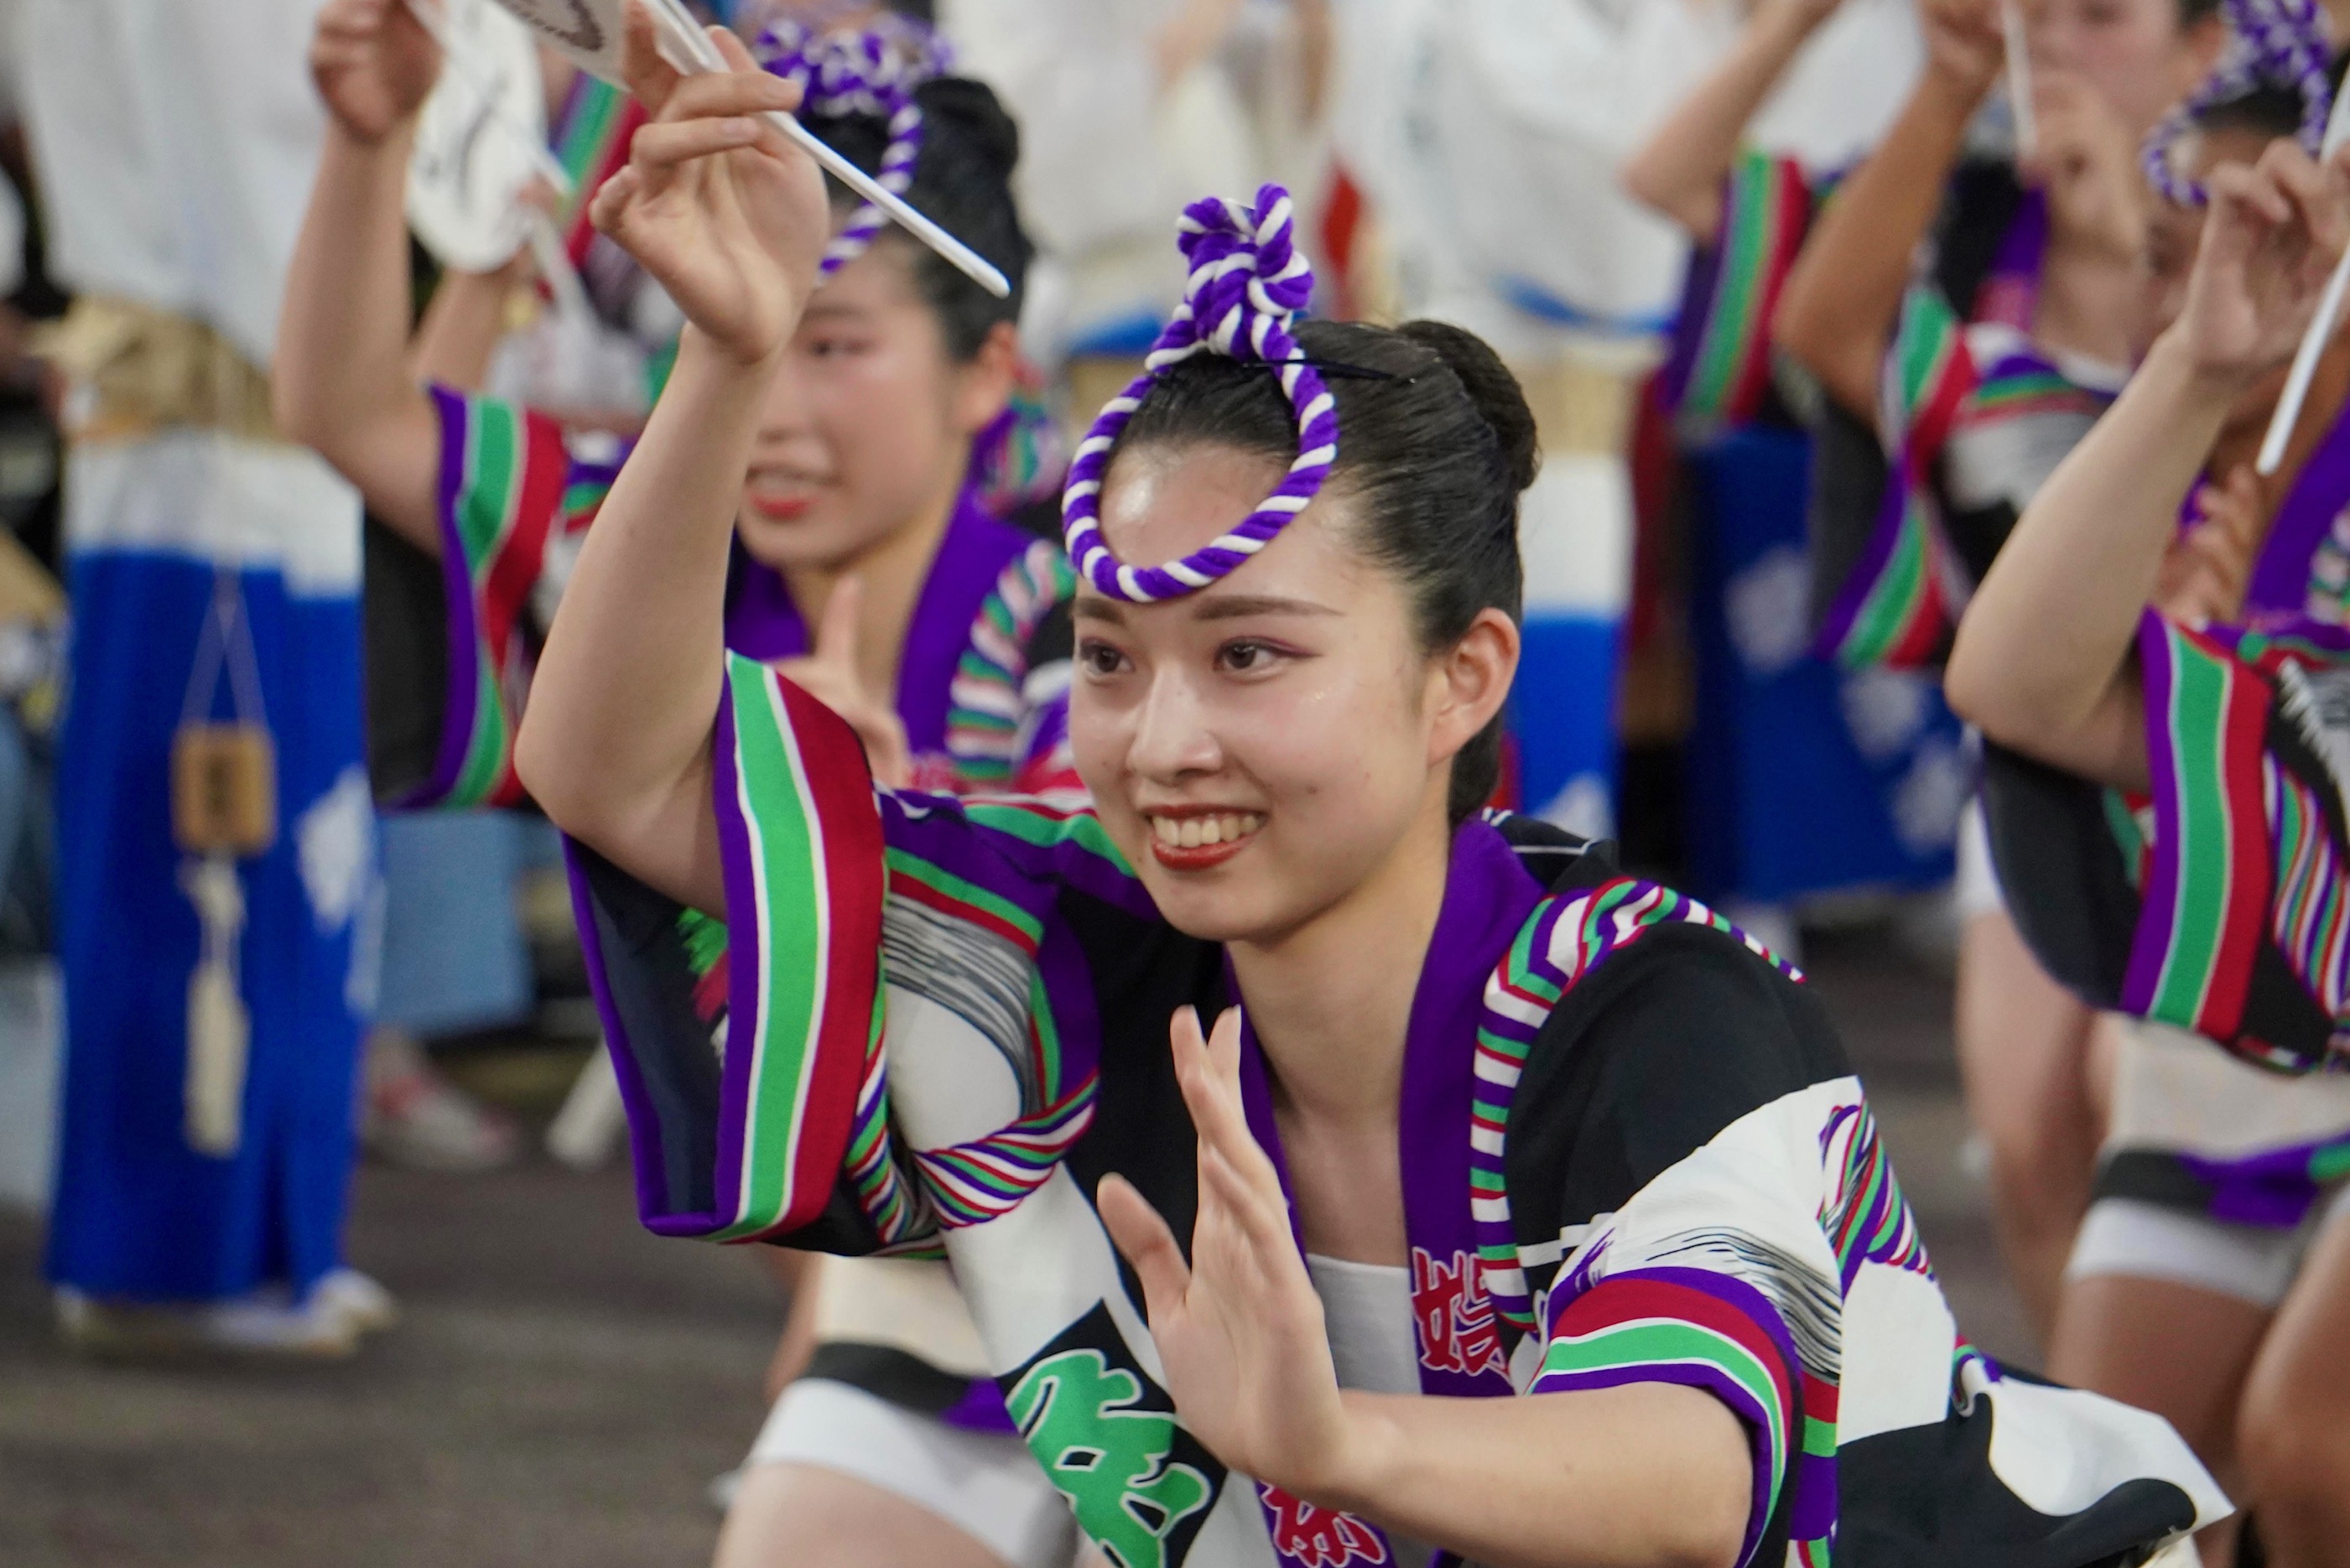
(986, 1484)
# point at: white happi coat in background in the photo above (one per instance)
(1107, 157)
(175, 143)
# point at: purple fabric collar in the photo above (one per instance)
(2319, 494)
(763, 623)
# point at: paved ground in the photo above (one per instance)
(563, 1386)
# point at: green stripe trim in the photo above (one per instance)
(1046, 831)
(902, 863)
(2198, 692)
(494, 453)
(787, 856)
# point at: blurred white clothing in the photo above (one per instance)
(176, 143)
(1107, 157)
(1840, 96)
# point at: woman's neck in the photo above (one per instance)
(890, 575)
(1331, 1000)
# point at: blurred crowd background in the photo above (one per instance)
(558, 1386)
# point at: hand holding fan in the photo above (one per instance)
(591, 32)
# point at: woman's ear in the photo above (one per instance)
(1472, 681)
(983, 385)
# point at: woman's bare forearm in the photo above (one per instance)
(341, 382)
(2043, 659)
(1649, 1474)
(1843, 296)
(1679, 172)
(462, 328)
(616, 741)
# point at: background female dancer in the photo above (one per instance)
(1483, 1073)
(2027, 314)
(856, 510)
(2211, 910)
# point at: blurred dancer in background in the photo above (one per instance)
(2212, 1279)
(218, 897)
(2025, 314)
(871, 566)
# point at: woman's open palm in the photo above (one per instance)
(1239, 1329)
(717, 204)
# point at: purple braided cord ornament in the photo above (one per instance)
(2270, 42)
(872, 73)
(1248, 282)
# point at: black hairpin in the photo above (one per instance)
(1340, 368)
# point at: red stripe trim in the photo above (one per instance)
(2244, 732)
(921, 892)
(521, 555)
(835, 763)
(1791, 208)
(1633, 1297)
(1930, 426)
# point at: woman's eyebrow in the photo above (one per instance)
(1096, 607)
(1233, 607)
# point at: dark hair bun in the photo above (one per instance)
(987, 138)
(1500, 400)
(962, 180)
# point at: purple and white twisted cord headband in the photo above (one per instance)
(1248, 282)
(2279, 43)
(872, 73)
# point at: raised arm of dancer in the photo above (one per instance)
(2043, 659)
(1647, 1473)
(732, 220)
(342, 384)
(1680, 169)
(1844, 297)
(463, 324)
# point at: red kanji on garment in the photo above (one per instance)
(1316, 1537)
(1454, 1315)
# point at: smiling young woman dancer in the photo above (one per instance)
(2177, 847)
(1485, 1076)
(866, 465)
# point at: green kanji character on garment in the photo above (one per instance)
(1110, 1460)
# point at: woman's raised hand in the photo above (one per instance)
(374, 65)
(2275, 230)
(2084, 157)
(2208, 565)
(829, 674)
(1964, 43)
(717, 204)
(1239, 1329)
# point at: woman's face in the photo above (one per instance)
(1259, 749)
(2135, 53)
(868, 423)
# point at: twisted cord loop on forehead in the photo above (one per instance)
(872, 73)
(2271, 43)
(1248, 282)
